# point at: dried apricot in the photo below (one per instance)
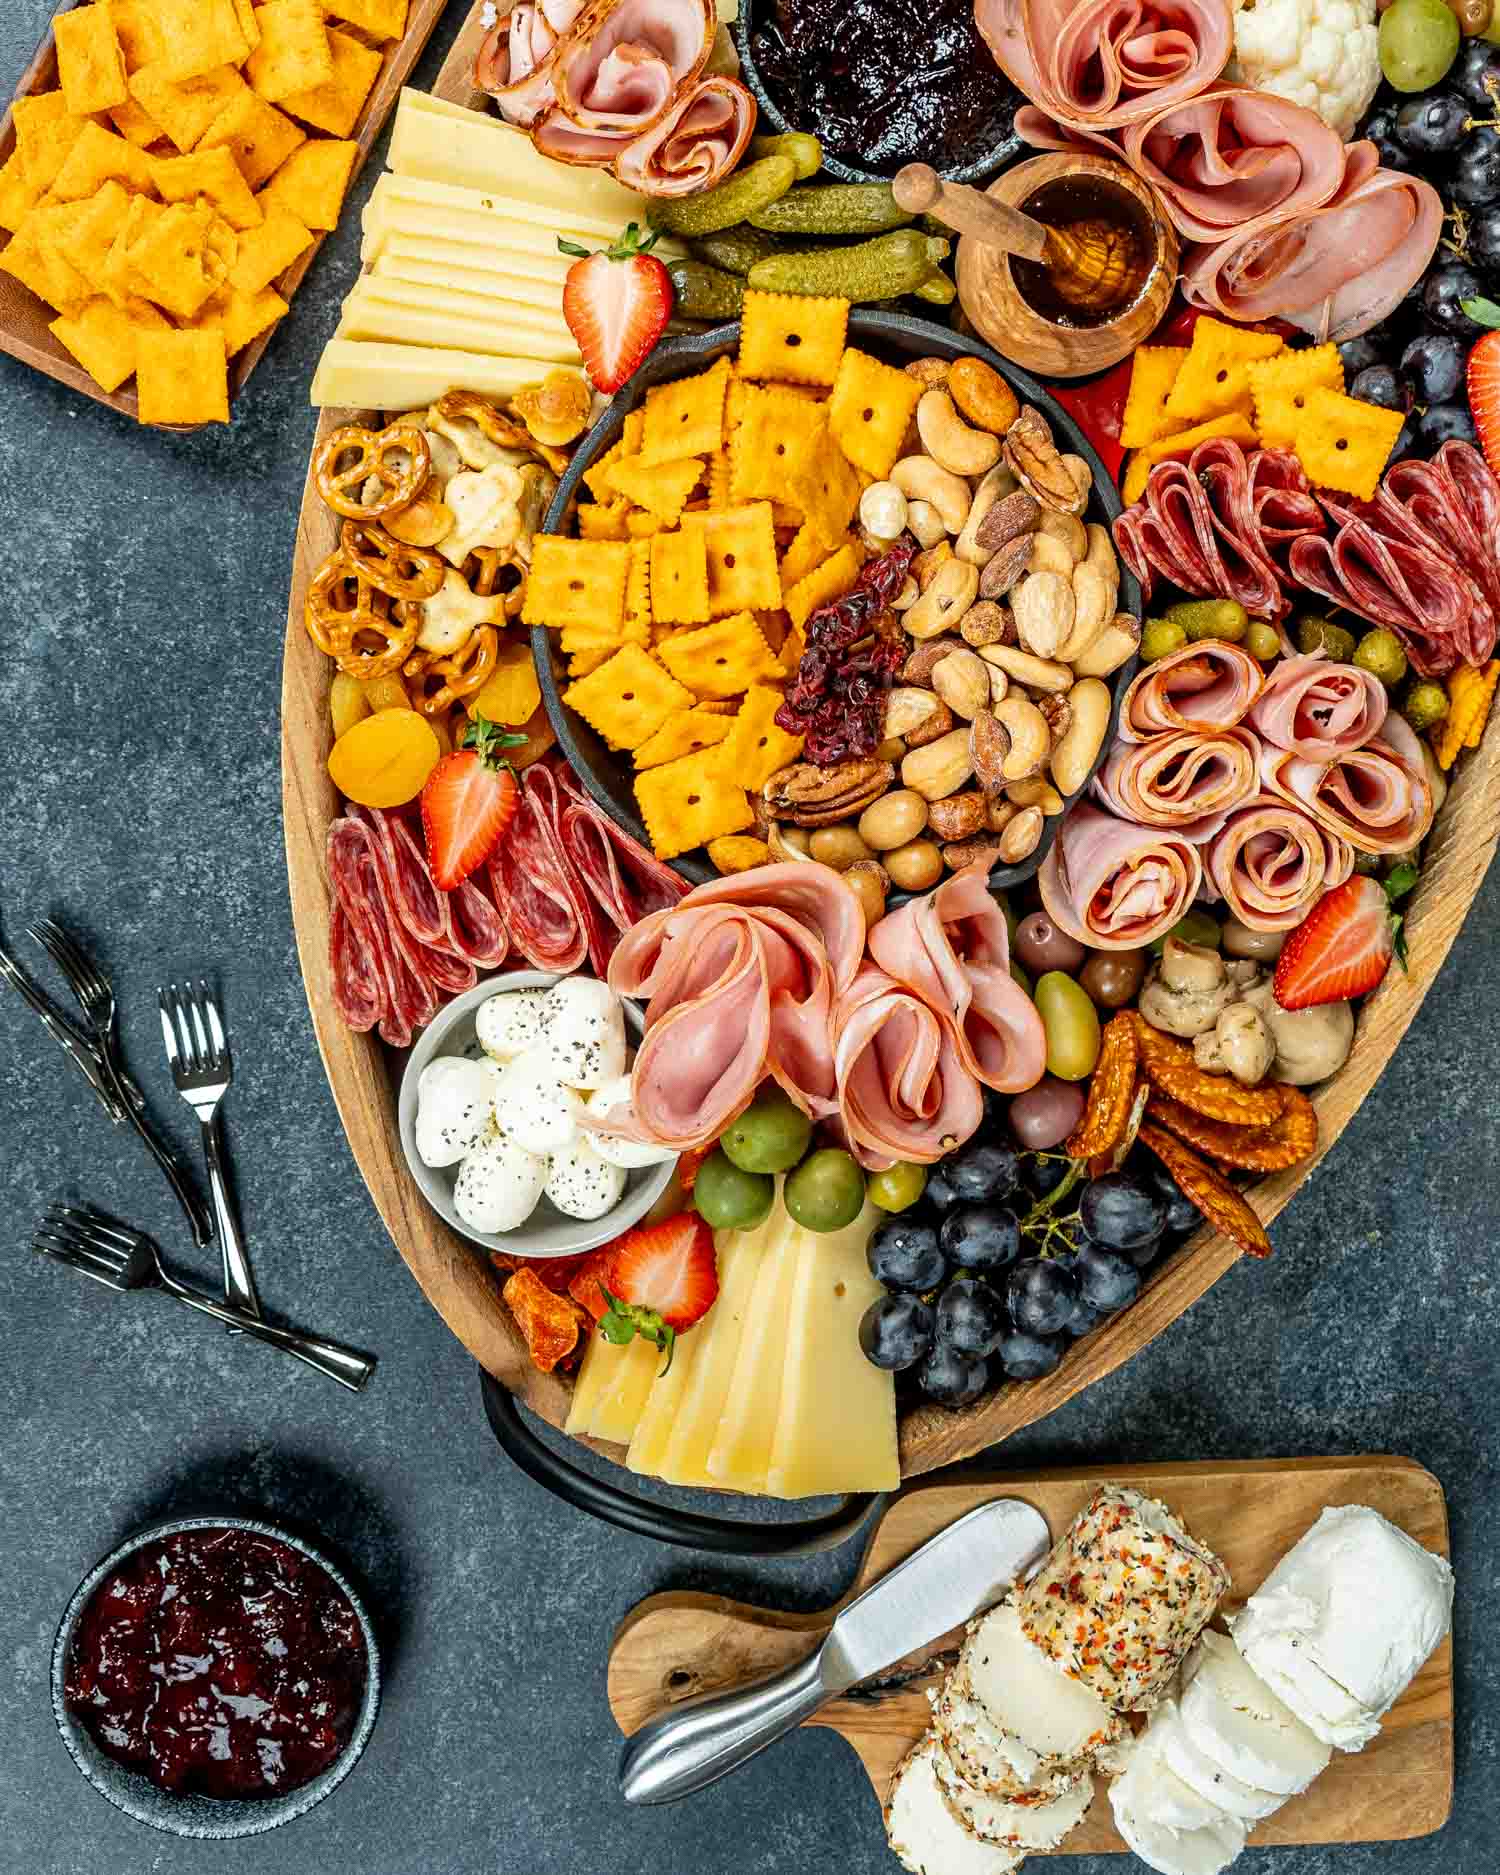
(1170, 1068)
(511, 693)
(1287, 1141)
(1111, 1090)
(386, 693)
(385, 759)
(348, 702)
(1205, 1186)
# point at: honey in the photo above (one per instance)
(1100, 252)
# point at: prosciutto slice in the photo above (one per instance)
(1377, 798)
(1184, 779)
(1102, 63)
(1319, 709)
(695, 145)
(1207, 686)
(1113, 885)
(1270, 862)
(903, 1089)
(951, 948)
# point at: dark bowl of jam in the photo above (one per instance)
(881, 83)
(215, 1676)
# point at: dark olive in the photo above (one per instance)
(1114, 978)
(1040, 946)
(1044, 1115)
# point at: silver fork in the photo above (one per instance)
(112, 1253)
(202, 1069)
(96, 998)
(83, 1053)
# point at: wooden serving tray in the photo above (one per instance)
(24, 319)
(673, 1646)
(462, 1288)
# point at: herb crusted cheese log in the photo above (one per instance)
(1122, 1598)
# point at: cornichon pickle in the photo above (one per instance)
(1263, 641)
(889, 265)
(705, 292)
(1161, 637)
(735, 249)
(937, 289)
(1314, 633)
(746, 192)
(838, 208)
(805, 151)
(1424, 705)
(1211, 618)
(1380, 653)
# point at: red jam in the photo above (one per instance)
(219, 1662)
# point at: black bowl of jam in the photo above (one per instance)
(215, 1676)
(881, 83)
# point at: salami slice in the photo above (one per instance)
(381, 973)
(535, 890)
(617, 875)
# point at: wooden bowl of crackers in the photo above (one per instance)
(663, 704)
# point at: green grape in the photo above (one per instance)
(1418, 42)
(899, 1187)
(727, 1198)
(771, 1135)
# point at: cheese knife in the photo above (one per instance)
(950, 1579)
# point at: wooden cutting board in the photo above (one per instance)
(673, 1646)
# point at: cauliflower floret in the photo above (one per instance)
(1323, 54)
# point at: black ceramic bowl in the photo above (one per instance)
(977, 166)
(206, 1819)
(609, 776)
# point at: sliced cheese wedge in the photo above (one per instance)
(663, 1403)
(696, 1424)
(512, 289)
(1233, 1717)
(622, 1399)
(376, 320)
(1205, 1851)
(413, 204)
(836, 1425)
(1209, 1780)
(463, 258)
(924, 1833)
(601, 1362)
(358, 375)
(741, 1456)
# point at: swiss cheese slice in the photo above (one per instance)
(355, 375)
(836, 1423)
(685, 1460)
(618, 1408)
(409, 202)
(463, 258)
(741, 1454)
(654, 1428)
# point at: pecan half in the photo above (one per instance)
(810, 796)
(1038, 465)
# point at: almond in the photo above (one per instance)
(989, 743)
(918, 667)
(1001, 573)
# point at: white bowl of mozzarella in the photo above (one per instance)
(495, 1107)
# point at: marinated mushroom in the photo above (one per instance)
(1239, 1043)
(1187, 990)
(1311, 1044)
(1240, 940)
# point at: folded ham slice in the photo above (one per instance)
(1205, 686)
(1377, 798)
(1187, 779)
(518, 56)
(952, 948)
(1319, 709)
(1113, 885)
(624, 61)
(1102, 63)
(696, 144)
(903, 1089)
(1270, 862)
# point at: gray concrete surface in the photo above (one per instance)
(141, 601)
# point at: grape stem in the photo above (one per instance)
(1042, 1220)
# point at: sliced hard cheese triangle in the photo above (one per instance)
(600, 1364)
(663, 1404)
(924, 1833)
(377, 321)
(623, 1397)
(836, 1428)
(517, 289)
(1233, 1717)
(685, 1460)
(518, 260)
(741, 1455)
(370, 376)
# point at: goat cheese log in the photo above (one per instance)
(1122, 1598)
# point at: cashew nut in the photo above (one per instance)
(924, 567)
(1030, 737)
(952, 591)
(907, 597)
(1036, 673)
(986, 495)
(921, 478)
(1078, 747)
(788, 843)
(1115, 645)
(949, 440)
(882, 509)
(924, 521)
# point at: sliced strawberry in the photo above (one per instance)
(1344, 946)
(1484, 396)
(663, 1278)
(468, 801)
(617, 302)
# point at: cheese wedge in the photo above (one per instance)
(601, 1363)
(741, 1456)
(375, 320)
(654, 1428)
(696, 1425)
(620, 1404)
(836, 1424)
(516, 289)
(353, 375)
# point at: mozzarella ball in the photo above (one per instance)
(454, 1108)
(583, 1185)
(583, 1031)
(614, 1099)
(509, 1023)
(533, 1107)
(498, 1186)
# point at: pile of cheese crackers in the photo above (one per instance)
(192, 152)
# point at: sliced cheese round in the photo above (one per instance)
(989, 1758)
(1013, 1825)
(924, 1833)
(1327, 1709)
(1233, 1717)
(1199, 1772)
(1204, 1851)
(1150, 1789)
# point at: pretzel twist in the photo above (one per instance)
(396, 458)
(459, 675)
(390, 565)
(344, 613)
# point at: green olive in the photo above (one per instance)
(1211, 618)
(771, 1135)
(1316, 633)
(1418, 42)
(1380, 653)
(826, 1192)
(1425, 704)
(1195, 927)
(1161, 638)
(898, 1187)
(1072, 1025)
(1263, 641)
(727, 1198)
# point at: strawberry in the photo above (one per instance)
(662, 1279)
(468, 801)
(1484, 393)
(617, 301)
(1344, 946)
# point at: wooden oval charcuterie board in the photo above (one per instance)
(674, 1646)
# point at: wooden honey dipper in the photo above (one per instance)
(1089, 262)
